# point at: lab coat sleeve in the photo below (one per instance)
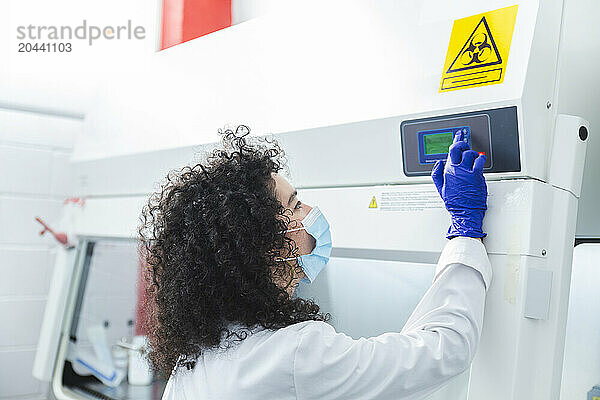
(437, 343)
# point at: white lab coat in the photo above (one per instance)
(310, 360)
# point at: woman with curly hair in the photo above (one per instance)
(227, 242)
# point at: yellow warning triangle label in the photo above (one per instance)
(373, 203)
(479, 50)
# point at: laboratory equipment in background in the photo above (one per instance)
(105, 312)
(139, 368)
(98, 363)
(528, 121)
(594, 394)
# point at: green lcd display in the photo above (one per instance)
(437, 143)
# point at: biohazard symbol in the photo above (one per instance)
(479, 50)
(373, 203)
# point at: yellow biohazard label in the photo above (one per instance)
(373, 203)
(478, 50)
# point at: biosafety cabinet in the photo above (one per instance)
(519, 79)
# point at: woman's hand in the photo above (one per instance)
(461, 184)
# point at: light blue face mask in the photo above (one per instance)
(317, 226)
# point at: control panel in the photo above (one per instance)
(434, 144)
(490, 132)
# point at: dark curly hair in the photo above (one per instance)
(211, 236)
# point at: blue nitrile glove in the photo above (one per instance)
(461, 184)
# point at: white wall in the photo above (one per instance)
(244, 10)
(34, 155)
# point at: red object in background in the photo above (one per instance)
(183, 20)
(75, 200)
(61, 237)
